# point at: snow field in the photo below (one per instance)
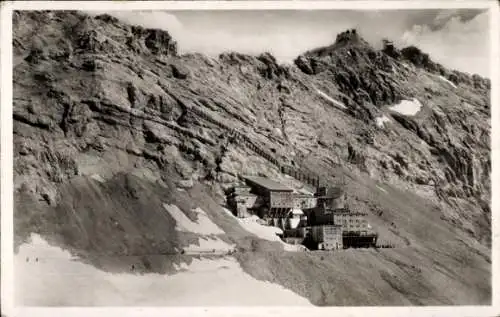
(58, 280)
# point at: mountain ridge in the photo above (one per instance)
(110, 123)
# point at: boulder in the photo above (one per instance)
(179, 71)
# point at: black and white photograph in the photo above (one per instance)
(315, 158)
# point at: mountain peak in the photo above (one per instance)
(348, 38)
(350, 35)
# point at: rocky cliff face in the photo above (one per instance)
(443, 148)
(96, 99)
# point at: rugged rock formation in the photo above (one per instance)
(95, 98)
(369, 80)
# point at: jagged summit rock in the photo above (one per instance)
(360, 71)
(350, 40)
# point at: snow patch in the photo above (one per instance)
(98, 178)
(335, 102)
(448, 81)
(381, 189)
(379, 121)
(202, 226)
(57, 280)
(407, 107)
(297, 211)
(305, 192)
(182, 266)
(294, 247)
(252, 225)
(394, 71)
(405, 65)
(265, 232)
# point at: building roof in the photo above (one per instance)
(267, 183)
(245, 195)
(330, 192)
(304, 196)
(240, 189)
(241, 186)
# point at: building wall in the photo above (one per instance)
(351, 222)
(249, 201)
(294, 240)
(241, 190)
(258, 190)
(278, 222)
(293, 222)
(242, 211)
(338, 203)
(323, 219)
(305, 202)
(363, 241)
(294, 233)
(331, 202)
(328, 237)
(322, 191)
(329, 191)
(326, 203)
(304, 231)
(332, 234)
(281, 199)
(317, 233)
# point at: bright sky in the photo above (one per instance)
(457, 39)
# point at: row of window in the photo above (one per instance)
(331, 230)
(356, 226)
(351, 218)
(357, 221)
